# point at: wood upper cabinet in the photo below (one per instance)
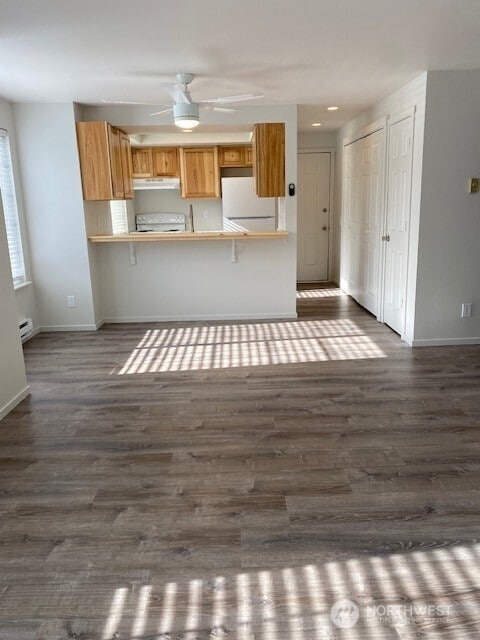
(127, 170)
(269, 159)
(155, 162)
(199, 171)
(116, 168)
(142, 162)
(103, 152)
(165, 162)
(235, 156)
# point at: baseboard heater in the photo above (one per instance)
(25, 326)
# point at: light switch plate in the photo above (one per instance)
(473, 185)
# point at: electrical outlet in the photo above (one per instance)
(205, 214)
(466, 310)
(71, 301)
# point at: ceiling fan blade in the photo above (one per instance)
(227, 99)
(212, 107)
(171, 88)
(123, 102)
(159, 113)
(182, 96)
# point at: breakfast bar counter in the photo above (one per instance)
(138, 236)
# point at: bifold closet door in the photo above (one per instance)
(399, 189)
(362, 219)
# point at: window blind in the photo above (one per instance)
(9, 201)
(118, 210)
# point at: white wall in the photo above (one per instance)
(197, 280)
(449, 255)
(194, 281)
(25, 296)
(55, 216)
(317, 140)
(13, 382)
(410, 96)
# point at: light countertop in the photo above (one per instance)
(150, 236)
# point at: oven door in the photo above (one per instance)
(161, 227)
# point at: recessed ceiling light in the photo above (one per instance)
(187, 130)
(316, 124)
(332, 108)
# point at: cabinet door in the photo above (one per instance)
(95, 160)
(116, 163)
(165, 161)
(142, 162)
(248, 156)
(200, 175)
(269, 159)
(126, 166)
(232, 156)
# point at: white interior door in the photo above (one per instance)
(362, 219)
(399, 182)
(313, 211)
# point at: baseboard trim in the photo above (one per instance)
(30, 335)
(68, 327)
(21, 395)
(99, 323)
(196, 318)
(445, 342)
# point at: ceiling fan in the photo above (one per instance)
(186, 112)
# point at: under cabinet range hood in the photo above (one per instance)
(156, 183)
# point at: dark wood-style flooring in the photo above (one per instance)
(237, 480)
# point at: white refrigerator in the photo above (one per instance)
(243, 210)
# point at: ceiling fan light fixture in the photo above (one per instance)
(186, 115)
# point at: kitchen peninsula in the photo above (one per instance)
(135, 236)
(209, 271)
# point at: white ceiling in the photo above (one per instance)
(315, 53)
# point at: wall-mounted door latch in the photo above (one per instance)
(385, 238)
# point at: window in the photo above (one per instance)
(118, 211)
(9, 201)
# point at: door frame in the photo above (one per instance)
(391, 121)
(331, 195)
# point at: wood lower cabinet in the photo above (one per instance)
(104, 151)
(200, 174)
(269, 159)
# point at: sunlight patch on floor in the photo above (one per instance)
(317, 294)
(195, 348)
(370, 596)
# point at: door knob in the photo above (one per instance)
(386, 238)
(324, 209)
(324, 228)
